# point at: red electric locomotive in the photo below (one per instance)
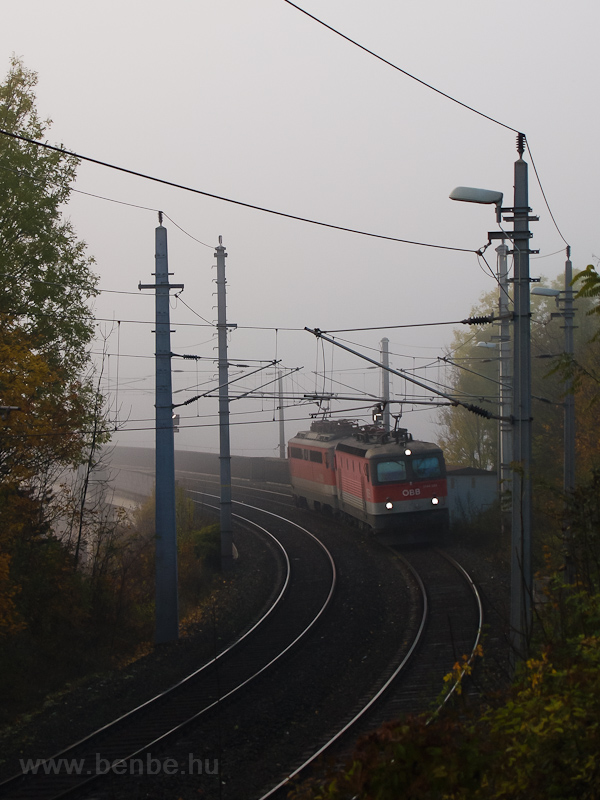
(386, 481)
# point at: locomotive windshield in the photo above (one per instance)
(421, 468)
(391, 471)
(426, 467)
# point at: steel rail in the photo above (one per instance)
(13, 781)
(325, 550)
(376, 696)
(479, 602)
(293, 775)
(208, 477)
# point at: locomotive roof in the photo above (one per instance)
(390, 449)
(366, 449)
(316, 437)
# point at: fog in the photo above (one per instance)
(255, 102)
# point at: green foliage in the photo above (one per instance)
(46, 325)
(207, 544)
(548, 730)
(590, 288)
(199, 553)
(44, 270)
(581, 540)
(471, 441)
(198, 548)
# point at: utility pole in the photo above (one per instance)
(569, 432)
(385, 382)
(568, 313)
(167, 613)
(521, 574)
(281, 417)
(224, 446)
(505, 378)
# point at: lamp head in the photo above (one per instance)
(467, 194)
(544, 291)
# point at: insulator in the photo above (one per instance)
(478, 320)
(481, 412)
(520, 143)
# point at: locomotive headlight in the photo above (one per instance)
(389, 505)
(408, 452)
(434, 501)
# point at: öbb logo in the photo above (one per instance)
(411, 492)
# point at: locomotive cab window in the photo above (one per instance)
(427, 467)
(390, 471)
(316, 456)
(295, 452)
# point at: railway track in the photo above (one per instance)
(308, 579)
(448, 625)
(258, 733)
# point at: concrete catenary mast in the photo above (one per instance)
(224, 444)
(167, 613)
(385, 381)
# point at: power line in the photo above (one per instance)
(438, 91)
(21, 173)
(399, 69)
(544, 193)
(185, 188)
(468, 321)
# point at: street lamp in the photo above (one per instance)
(542, 291)
(521, 572)
(467, 194)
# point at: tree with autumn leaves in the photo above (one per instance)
(47, 279)
(48, 401)
(76, 588)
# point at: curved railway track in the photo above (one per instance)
(438, 629)
(147, 728)
(449, 624)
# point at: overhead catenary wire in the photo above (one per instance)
(399, 69)
(263, 209)
(27, 174)
(469, 406)
(468, 321)
(544, 193)
(437, 91)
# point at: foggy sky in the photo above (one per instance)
(256, 102)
